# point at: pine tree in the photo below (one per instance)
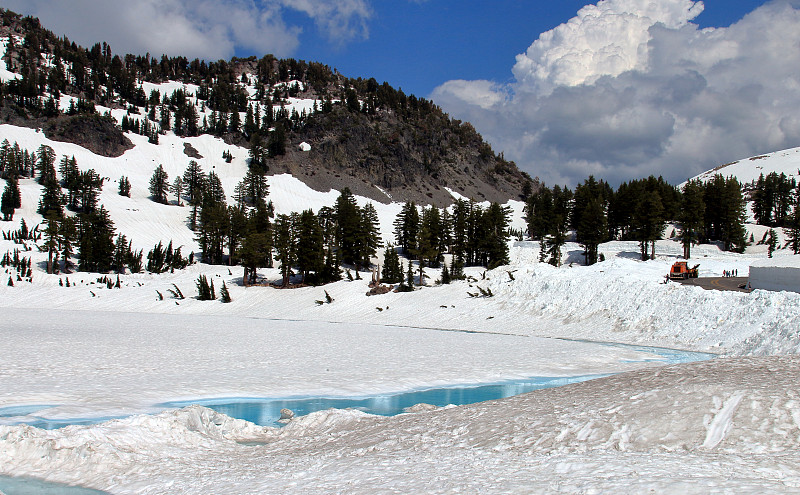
(772, 243)
(177, 188)
(392, 272)
(95, 241)
(204, 292)
(124, 186)
(254, 254)
(794, 223)
(589, 217)
(224, 295)
(7, 202)
(406, 228)
(692, 211)
(285, 247)
(445, 275)
(369, 236)
(410, 277)
(348, 227)
(159, 185)
(51, 202)
(193, 183)
(277, 141)
(258, 154)
(310, 250)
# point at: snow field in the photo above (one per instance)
(729, 425)
(720, 426)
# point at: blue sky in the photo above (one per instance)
(420, 45)
(619, 89)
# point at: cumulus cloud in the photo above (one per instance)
(209, 29)
(629, 88)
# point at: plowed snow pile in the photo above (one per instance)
(727, 425)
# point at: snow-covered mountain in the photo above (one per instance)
(72, 348)
(748, 169)
(303, 118)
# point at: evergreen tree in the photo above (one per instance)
(258, 155)
(428, 238)
(589, 217)
(159, 185)
(445, 275)
(7, 201)
(495, 245)
(51, 241)
(369, 236)
(310, 249)
(348, 227)
(457, 269)
(124, 186)
(205, 291)
(648, 221)
(95, 241)
(772, 242)
(224, 295)
(691, 215)
(794, 223)
(68, 236)
(406, 228)
(212, 231)
(193, 183)
(254, 254)
(277, 141)
(177, 188)
(284, 243)
(51, 202)
(46, 159)
(237, 230)
(458, 239)
(392, 272)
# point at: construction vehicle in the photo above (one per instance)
(681, 271)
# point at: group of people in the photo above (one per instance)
(730, 273)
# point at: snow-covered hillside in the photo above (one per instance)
(82, 350)
(747, 170)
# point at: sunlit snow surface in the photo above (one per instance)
(84, 351)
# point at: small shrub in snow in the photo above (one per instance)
(176, 292)
(205, 290)
(224, 295)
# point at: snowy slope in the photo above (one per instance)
(748, 169)
(724, 426)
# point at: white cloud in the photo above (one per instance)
(604, 39)
(209, 29)
(631, 87)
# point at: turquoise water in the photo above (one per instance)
(266, 411)
(29, 486)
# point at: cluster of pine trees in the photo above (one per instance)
(52, 66)
(774, 197)
(638, 210)
(475, 236)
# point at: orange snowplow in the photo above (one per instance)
(681, 271)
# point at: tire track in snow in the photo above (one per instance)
(722, 421)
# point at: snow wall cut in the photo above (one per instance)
(776, 274)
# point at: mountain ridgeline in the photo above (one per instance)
(354, 133)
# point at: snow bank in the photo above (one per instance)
(723, 425)
(777, 274)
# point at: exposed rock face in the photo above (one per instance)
(191, 151)
(98, 134)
